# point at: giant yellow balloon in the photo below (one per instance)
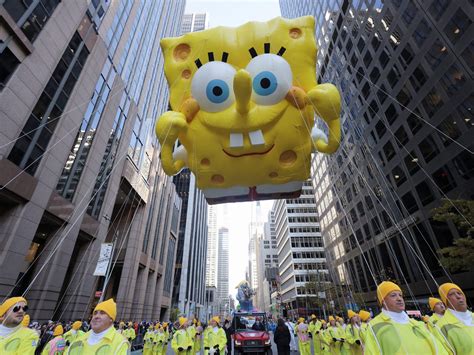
(243, 102)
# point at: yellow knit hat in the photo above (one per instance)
(364, 315)
(77, 325)
(351, 313)
(444, 289)
(313, 316)
(182, 320)
(433, 301)
(165, 324)
(385, 288)
(9, 303)
(109, 307)
(330, 318)
(217, 319)
(323, 321)
(58, 330)
(157, 326)
(26, 320)
(300, 320)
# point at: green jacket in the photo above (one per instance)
(22, 341)
(113, 343)
(459, 335)
(384, 336)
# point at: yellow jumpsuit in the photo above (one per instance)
(385, 336)
(181, 342)
(459, 336)
(148, 341)
(160, 343)
(352, 336)
(113, 343)
(331, 333)
(22, 341)
(215, 339)
(304, 341)
(315, 330)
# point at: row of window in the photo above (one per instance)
(308, 255)
(39, 128)
(307, 242)
(305, 229)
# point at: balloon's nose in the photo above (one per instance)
(242, 90)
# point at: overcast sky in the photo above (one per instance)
(236, 13)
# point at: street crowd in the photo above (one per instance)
(449, 330)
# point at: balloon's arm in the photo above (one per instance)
(326, 102)
(167, 128)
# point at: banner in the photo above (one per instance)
(104, 258)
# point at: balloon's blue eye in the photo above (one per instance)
(217, 91)
(265, 83)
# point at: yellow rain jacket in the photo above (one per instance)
(212, 338)
(148, 340)
(337, 332)
(181, 340)
(352, 336)
(315, 330)
(113, 343)
(192, 335)
(459, 335)
(22, 341)
(384, 336)
(304, 342)
(72, 335)
(129, 333)
(160, 343)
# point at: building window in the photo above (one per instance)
(386, 219)
(380, 128)
(393, 76)
(412, 163)
(464, 163)
(8, 64)
(444, 180)
(376, 225)
(409, 202)
(407, 55)
(31, 16)
(425, 194)
(436, 54)
(368, 202)
(449, 130)
(414, 122)
(421, 32)
(453, 80)
(428, 148)
(399, 175)
(76, 162)
(457, 26)
(438, 8)
(401, 136)
(389, 151)
(38, 130)
(418, 78)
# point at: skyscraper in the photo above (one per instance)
(223, 271)
(301, 256)
(405, 72)
(211, 264)
(189, 292)
(81, 87)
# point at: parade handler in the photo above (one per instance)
(103, 337)
(457, 324)
(393, 332)
(14, 338)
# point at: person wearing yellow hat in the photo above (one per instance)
(191, 329)
(102, 336)
(181, 342)
(334, 336)
(14, 338)
(353, 329)
(340, 322)
(304, 341)
(457, 323)
(393, 332)
(149, 340)
(160, 344)
(215, 338)
(74, 333)
(314, 328)
(166, 331)
(129, 333)
(57, 345)
(198, 338)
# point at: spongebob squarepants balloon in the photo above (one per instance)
(243, 102)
